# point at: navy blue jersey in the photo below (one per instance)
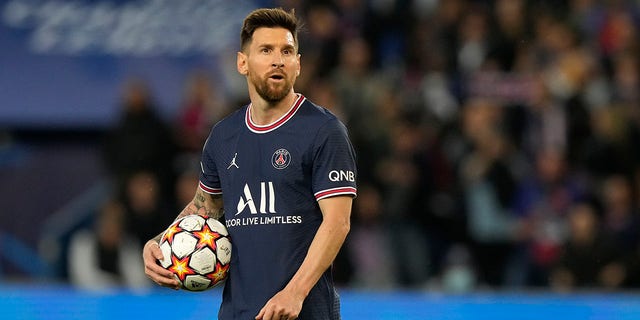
(271, 178)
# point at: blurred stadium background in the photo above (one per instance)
(497, 148)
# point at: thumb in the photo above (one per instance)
(156, 251)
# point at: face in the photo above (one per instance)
(271, 63)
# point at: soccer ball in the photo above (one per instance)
(197, 249)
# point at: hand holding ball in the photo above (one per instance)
(197, 249)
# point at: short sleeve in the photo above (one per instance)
(209, 178)
(334, 163)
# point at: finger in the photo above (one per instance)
(154, 271)
(154, 265)
(159, 270)
(160, 275)
(151, 264)
(164, 279)
(268, 314)
(260, 314)
(173, 283)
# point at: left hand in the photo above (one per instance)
(284, 305)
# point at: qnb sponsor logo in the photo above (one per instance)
(266, 202)
(342, 175)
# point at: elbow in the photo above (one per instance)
(345, 227)
(338, 229)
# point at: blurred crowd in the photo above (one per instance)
(496, 141)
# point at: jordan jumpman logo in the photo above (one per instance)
(233, 162)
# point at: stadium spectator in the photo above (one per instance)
(188, 169)
(557, 81)
(542, 202)
(483, 125)
(609, 149)
(146, 209)
(488, 183)
(361, 94)
(459, 272)
(322, 46)
(620, 216)
(140, 140)
(589, 259)
(369, 247)
(201, 107)
(402, 174)
(106, 257)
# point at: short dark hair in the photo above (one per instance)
(269, 18)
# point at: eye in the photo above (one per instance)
(265, 50)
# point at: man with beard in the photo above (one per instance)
(286, 170)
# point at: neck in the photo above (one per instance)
(265, 112)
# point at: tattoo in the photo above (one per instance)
(217, 214)
(200, 197)
(208, 204)
(203, 203)
(217, 211)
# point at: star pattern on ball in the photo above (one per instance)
(206, 237)
(220, 273)
(171, 231)
(180, 267)
(190, 244)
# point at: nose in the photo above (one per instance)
(278, 61)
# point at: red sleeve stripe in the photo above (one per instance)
(335, 192)
(210, 190)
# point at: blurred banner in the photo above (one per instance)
(62, 62)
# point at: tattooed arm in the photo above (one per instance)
(202, 203)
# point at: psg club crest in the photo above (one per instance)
(281, 159)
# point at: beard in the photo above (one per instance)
(271, 92)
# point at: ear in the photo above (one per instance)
(298, 65)
(241, 63)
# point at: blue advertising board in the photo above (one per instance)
(61, 302)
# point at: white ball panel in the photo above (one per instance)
(223, 250)
(217, 226)
(196, 283)
(183, 244)
(191, 223)
(166, 253)
(203, 261)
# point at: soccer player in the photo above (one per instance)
(285, 170)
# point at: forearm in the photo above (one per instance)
(322, 252)
(323, 249)
(202, 203)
